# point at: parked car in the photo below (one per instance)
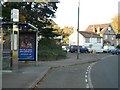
(115, 51)
(83, 49)
(95, 49)
(65, 48)
(74, 48)
(108, 49)
(90, 50)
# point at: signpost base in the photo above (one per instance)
(15, 60)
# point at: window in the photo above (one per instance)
(101, 29)
(98, 40)
(95, 30)
(113, 37)
(109, 28)
(87, 40)
(106, 36)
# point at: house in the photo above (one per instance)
(85, 38)
(118, 39)
(91, 38)
(106, 31)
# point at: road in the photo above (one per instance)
(104, 74)
(65, 77)
(101, 74)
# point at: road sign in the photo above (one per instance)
(15, 15)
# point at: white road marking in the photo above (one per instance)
(87, 86)
(85, 76)
(6, 71)
(88, 80)
(88, 74)
(89, 66)
(89, 77)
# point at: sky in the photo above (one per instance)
(91, 12)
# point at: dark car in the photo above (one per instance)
(74, 48)
(115, 51)
(84, 49)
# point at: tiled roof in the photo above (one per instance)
(87, 34)
(102, 27)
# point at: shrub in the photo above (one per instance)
(118, 46)
(49, 50)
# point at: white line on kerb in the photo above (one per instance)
(89, 77)
(85, 76)
(87, 86)
(86, 80)
(89, 66)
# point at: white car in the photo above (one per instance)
(95, 49)
(108, 49)
(65, 48)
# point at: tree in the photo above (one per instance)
(67, 31)
(36, 13)
(116, 23)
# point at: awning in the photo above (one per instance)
(21, 26)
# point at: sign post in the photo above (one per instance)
(15, 36)
(36, 48)
(15, 47)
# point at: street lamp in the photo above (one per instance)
(78, 51)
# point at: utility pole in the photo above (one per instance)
(1, 54)
(78, 51)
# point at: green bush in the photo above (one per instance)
(49, 50)
(118, 46)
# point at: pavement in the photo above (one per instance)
(29, 74)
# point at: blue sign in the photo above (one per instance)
(27, 47)
(26, 54)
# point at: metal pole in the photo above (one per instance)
(15, 46)
(1, 46)
(36, 48)
(1, 53)
(78, 51)
(10, 48)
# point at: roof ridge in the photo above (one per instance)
(101, 24)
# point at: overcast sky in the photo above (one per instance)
(91, 12)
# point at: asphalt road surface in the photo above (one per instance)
(66, 77)
(104, 74)
(101, 74)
